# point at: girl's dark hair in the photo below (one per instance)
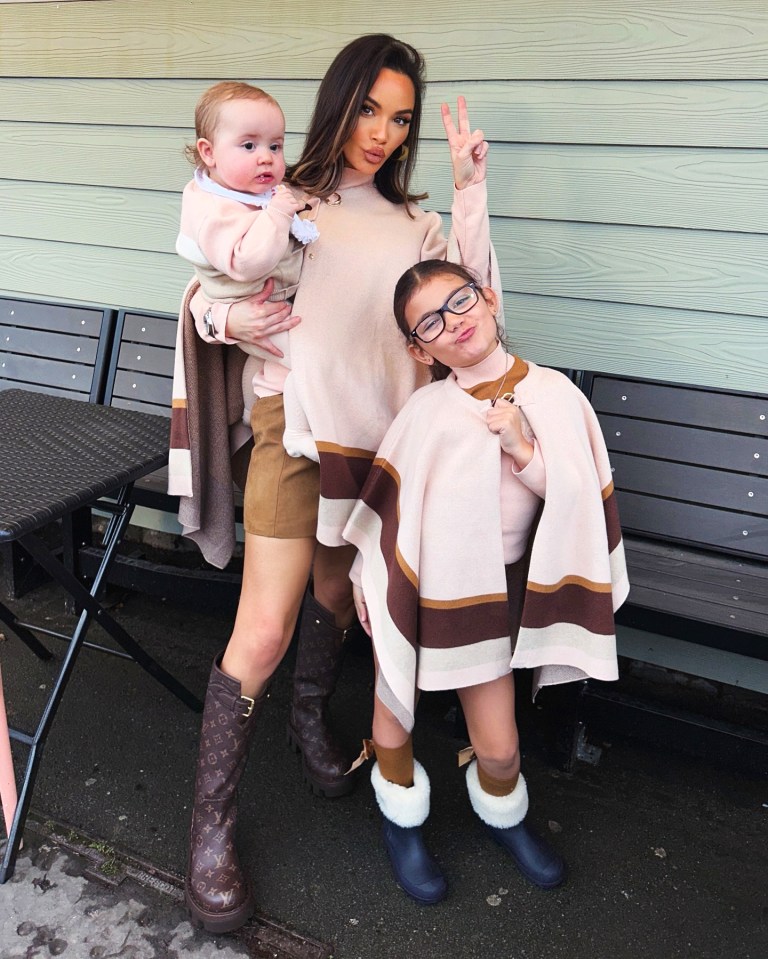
(339, 101)
(412, 281)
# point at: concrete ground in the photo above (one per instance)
(668, 854)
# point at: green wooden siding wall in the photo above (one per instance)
(629, 163)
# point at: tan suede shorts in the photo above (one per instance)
(281, 492)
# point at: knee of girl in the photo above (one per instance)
(500, 763)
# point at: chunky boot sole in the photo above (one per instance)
(218, 922)
(328, 790)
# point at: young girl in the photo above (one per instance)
(449, 581)
(240, 224)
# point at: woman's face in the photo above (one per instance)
(383, 124)
(468, 337)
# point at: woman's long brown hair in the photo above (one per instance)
(339, 101)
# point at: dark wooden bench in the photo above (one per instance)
(691, 473)
(57, 348)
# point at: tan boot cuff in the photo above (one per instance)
(396, 765)
(493, 786)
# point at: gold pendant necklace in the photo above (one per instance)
(507, 396)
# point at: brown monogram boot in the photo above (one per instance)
(216, 892)
(318, 664)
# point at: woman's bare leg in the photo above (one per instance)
(275, 575)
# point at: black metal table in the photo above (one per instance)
(59, 458)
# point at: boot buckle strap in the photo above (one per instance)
(248, 703)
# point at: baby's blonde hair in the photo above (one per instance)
(208, 109)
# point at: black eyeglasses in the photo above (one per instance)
(433, 324)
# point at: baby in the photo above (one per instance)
(240, 224)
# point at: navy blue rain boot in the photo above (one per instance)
(504, 818)
(405, 809)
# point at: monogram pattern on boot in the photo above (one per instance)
(318, 665)
(216, 885)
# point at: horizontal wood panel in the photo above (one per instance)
(698, 609)
(685, 269)
(527, 39)
(709, 487)
(48, 168)
(687, 346)
(43, 388)
(51, 316)
(680, 444)
(72, 349)
(739, 575)
(155, 330)
(671, 404)
(686, 584)
(142, 388)
(40, 369)
(144, 358)
(651, 113)
(159, 409)
(681, 345)
(700, 525)
(70, 271)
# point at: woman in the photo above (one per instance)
(356, 167)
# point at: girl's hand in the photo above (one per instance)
(468, 150)
(361, 608)
(256, 319)
(504, 420)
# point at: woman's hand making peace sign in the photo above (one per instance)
(468, 150)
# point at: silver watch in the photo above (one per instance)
(208, 327)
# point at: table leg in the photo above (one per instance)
(28, 638)
(91, 607)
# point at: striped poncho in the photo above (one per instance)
(428, 528)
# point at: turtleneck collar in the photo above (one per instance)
(351, 177)
(491, 368)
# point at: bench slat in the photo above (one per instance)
(141, 406)
(699, 525)
(43, 343)
(691, 406)
(708, 487)
(744, 454)
(57, 317)
(698, 609)
(684, 582)
(38, 370)
(141, 388)
(740, 576)
(145, 358)
(155, 330)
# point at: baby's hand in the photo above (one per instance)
(504, 419)
(286, 201)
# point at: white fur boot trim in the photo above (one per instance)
(405, 806)
(500, 812)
